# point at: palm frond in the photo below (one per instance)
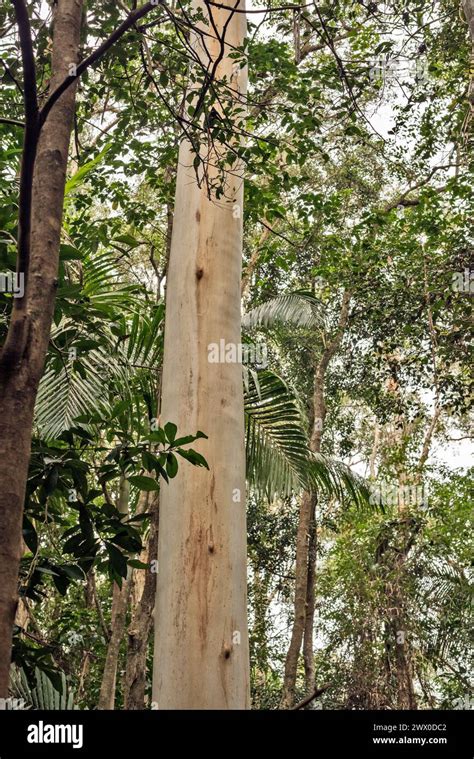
(275, 441)
(103, 283)
(42, 695)
(299, 308)
(66, 394)
(124, 368)
(278, 457)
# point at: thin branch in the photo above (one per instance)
(278, 234)
(17, 334)
(403, 200)
(260, 10)
(318, 692)
(14, 80)
(15, 342)
(96, 55)
(15, 122)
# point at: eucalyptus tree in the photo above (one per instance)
(201, 617)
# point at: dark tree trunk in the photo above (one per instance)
(23, 355)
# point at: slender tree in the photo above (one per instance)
(304, 602)
(120, 596)
(22, 357)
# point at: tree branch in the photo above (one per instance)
(34, 120)
(403, 200)
(16, 338)
(15, 122)
(308, 699)
(96, 55)
(30, 141)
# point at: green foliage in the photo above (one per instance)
(43, 695)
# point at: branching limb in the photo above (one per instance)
(134, 16)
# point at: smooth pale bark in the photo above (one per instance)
(201, 642)
(120, 596)
(468, 7)
(19, 381)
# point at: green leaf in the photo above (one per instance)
(127, 240)
(188, 439)
(81, 174)
(144, 483)
(171, 465)
(69, 253)
(127, 542)
(170, 431)
(73, 571)
(193, 456)
(30, 535)
(117, 559)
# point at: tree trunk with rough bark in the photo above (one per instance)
(23, 355)
(120, 596)
(142, 621)
(301, 584)
(201, 639)
(308, 636)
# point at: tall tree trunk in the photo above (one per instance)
(301, 585)
(406, 698)
(22, 359)
(120, 596)
(308, 636)
(305, 569)
(89, 597)
(201, 640)
(141, 622)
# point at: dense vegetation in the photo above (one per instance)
(354, 141)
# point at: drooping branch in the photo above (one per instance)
(260, 10)
(405, 201)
